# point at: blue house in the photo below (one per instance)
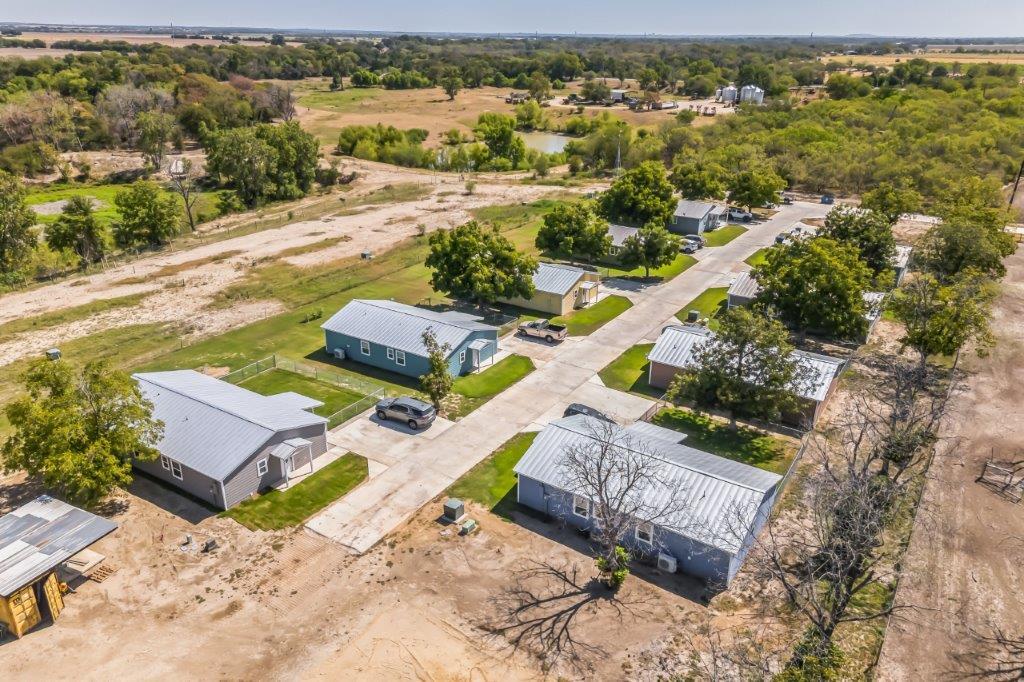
(389, 336)
(715, 506)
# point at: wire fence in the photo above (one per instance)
(355, 409)
(250, 370)
(347, 381)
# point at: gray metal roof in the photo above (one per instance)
(401, 326)
(555, 278)
(716, 492)
(688, 208)
(212, 426)
(620, 233)
(648, 432)
(874, 300)
(285, 449)
(744, 286)
(39, 536)
(678, 343)
(479, 344)
(901, 258)
(295, 400)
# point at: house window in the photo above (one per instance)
(462, 357)
(613, 251)
(175, 469)
(645, 533)
(364, 347)
(581, 506)
(165, 462)
(391, 353)
(400, 358)
(261, 467)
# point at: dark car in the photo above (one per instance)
(828, 199)
(412, 412)
(579, 408)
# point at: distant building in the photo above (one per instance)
(389, 335)
(729, 93)
(618, 95)
(559, 289)
(901, 263)
(742, 291)
(619, 235)
(696, 217)
(751, 94)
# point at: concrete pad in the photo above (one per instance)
(384, 441)
(538, 350)
(625, 408)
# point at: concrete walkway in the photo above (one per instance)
(427, 466)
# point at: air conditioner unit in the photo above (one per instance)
(667, 563)
(339, 353)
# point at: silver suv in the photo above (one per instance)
(414, 413)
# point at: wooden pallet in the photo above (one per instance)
(102, 572)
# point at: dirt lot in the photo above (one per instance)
(932, 56)
(964, 571)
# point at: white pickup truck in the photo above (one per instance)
(544, 329)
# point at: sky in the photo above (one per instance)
(666, 17)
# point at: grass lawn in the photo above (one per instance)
(723, 235)
(758, 257)
(588, 320)
(710, 303)
(343, 101)
(103, 199)
(474, 390)
(492, 482)
(771, 453)
(274, 381)
(673, 269)
(282, 508)
(628, 372)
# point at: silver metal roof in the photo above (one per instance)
(39, 536)
(744, 286)
(295, 400)
(555, 278)
(401, 326)
(620, 233)
(479, 344)
(902, 256)
(212, 426)
(874, 300)
(718, 494)
(678, 343)
(285, 449)
(688, 208)
(652, 432)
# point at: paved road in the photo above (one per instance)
(429, 465)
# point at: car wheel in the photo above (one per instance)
(549, 338)
(413, 425)
(382, 415)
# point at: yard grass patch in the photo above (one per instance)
(709, 303)
(103, 195)
(275, 381)
(674, 269)
(492, 482)
(723, 235)
(476, 389)
(588, 320)
(750, 446)
(628, 372)
(758, 257)
(283, 508)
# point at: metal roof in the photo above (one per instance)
(295, 400)
(620, 233)
(873, 300)
(479, 344)
(688, 208)
(715, 492)
(39, 536)
(744, 286)
(901, 258)
(649, 431)
(285, 449)
(401, 326)
(678, 343)
(555, 278)
(212, 426)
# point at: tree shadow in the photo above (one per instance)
(14, 495)
(992, 655)
(323, 357)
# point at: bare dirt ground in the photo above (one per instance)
(932, 56)
(204, 271)
(964, 571)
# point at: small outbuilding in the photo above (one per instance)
(389, 335)
(36, 539)
(559, 289)
(901, 262)
(721, 504)
(751, 94)
(675, 353)
(619, 235)
(742, 291)
(697, 217)
(222, 443)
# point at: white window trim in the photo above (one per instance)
(165, 462)
(400, 358)
(462, 356)
(176, 470)
(391, 353)
(262, 467)
(364, 347)
(649, 527)
(581, 503)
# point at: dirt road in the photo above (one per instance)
(964, 570)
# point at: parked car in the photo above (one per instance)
(579, 408)
(781, 238)
(828, 199)
(544, 329)
(686, 246)
(787, 199)
(740, 215)
(414, 413)
(698, 240)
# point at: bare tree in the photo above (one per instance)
(734, 654)
(185, 181)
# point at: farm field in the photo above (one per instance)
(943, 56)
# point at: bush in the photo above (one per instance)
(617, 577)
(29, 159)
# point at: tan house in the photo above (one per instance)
(559, 289)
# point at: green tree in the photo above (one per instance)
(746, 369)
(16, 221)
(755, 186)
(595, 91)
(498, 132)
(867, 231)
(79, 430)
(530, 116)
(651, 247)
(78, 230)
(247, 163)
(573, 230)
(438, 381)
(149, 216)
(640, 196)
(156, 130)
(451, 83)
(949, 249)
(816, 285)
(699, 180)
(892, 201)
(940, 319)
(539, 87)
(479, 264)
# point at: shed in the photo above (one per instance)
(875, 304)
(618, 95)
(751, 94)
(35, 539)
(389, 335)
(221, 442)
(723, 503)
(619, 235)
(730, 93)
(742, 291)
(696, 217)
(559, 289)
(901, 262)
(675, 352)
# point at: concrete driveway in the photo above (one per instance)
(374, 509)
(384, 441)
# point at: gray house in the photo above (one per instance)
(389, 335)
(723, 504)
(696, 217)
(742, 291)
(222, 443)
(619, 235)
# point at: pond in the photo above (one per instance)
(549, 143)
